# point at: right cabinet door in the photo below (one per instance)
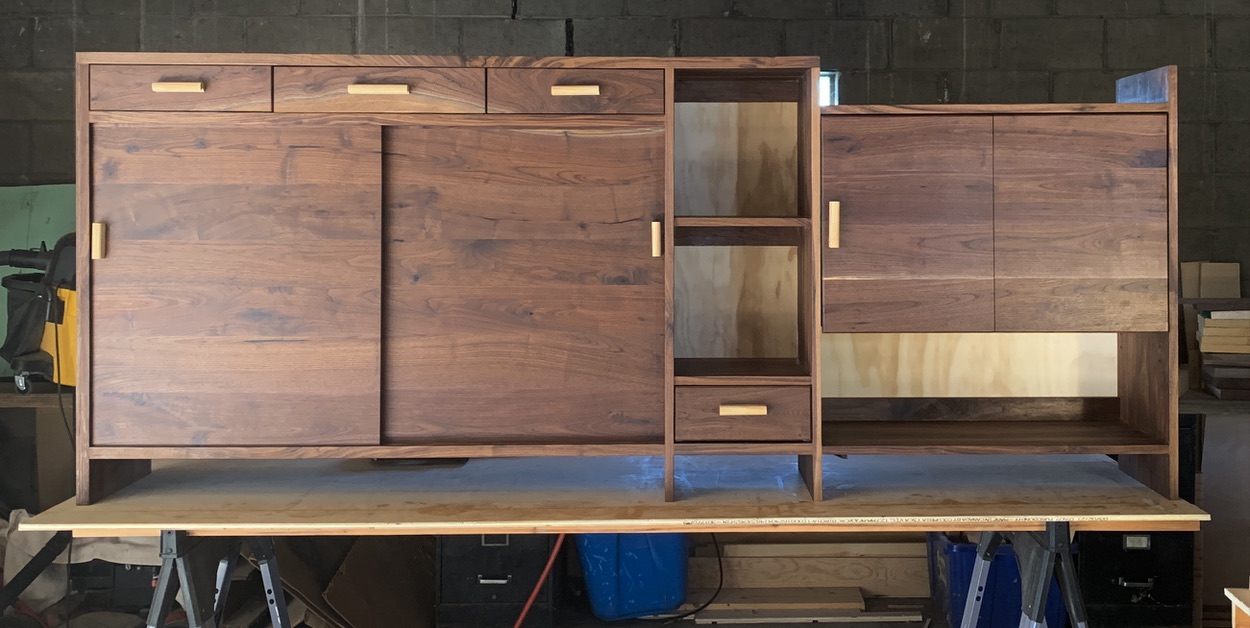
(1081, 222)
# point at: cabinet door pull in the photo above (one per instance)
(835, 224)
(657, 238)
(743, 410)
(574, 90)
(487, 580)
(99, 233)
(379, 89)
(179, 87)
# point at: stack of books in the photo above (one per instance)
(1224, 338)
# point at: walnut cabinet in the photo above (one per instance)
(291, 256)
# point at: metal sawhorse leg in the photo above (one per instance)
(202, 568)
(1040, 555)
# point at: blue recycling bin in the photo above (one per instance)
(950, 574)
(633, 575)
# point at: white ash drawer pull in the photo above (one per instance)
(379, 89)
(178, 87)
(574, 90)
(727, 409)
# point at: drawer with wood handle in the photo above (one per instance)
(572, 91)
(743, 414)
(180, 88)
(379, 90)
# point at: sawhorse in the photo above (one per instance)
(191, 563)
(1040, 556)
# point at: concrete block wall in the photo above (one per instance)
(889, 51)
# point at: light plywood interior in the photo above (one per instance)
(736, 302)
(736, 159)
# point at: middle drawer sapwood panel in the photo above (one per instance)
(522, 303)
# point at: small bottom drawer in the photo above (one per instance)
(743, 414)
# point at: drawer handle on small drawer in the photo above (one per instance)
(743, 410)
(574, 90)
(379, 89)
(181, 87)
(484, 580)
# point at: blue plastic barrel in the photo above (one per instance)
(633, 575)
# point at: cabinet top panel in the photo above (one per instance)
(976, 109)
(195, 58)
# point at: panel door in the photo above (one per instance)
(915, 223)
(238, 301)
(1081, 222)
(523, 304)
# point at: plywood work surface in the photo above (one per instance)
(624, 494)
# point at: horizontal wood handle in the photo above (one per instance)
(99, 233)
(835, 224)
(574, 90)
(657, 238)
(178, 87)
(743, 410)
(379, 89)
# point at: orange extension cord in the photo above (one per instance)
(551, 560)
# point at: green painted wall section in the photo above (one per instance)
(29, 215)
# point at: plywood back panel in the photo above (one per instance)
(968, 365)
(736, 159)
(736, 302)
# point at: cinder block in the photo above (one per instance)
(1232, 200)
(300, 34)
(999, 86)
(222, 33)
(1110, 8)
(1232, 148)
(678, 8)
(789, 9)
(1144, 43)
(841, 44)
(487, 36)
(37, 95)
(180, 8)
(1000, 8)
(1050, 43)
(113, 33)
(1232, 96)
(945, 43)
(1232, 42)
(891, 88)
(257, 8)
(52, 149)
(111, 7)
(570, 8)
(645, 36)
(1085, 86)
(730, 37)
(1197, 147)
(15, 158)
(36, 7)
(1195, 201)
(409, 35)
(1198, 87)
(886, 8)
(53, 42)
(1206, 7)
(16, 35)
(460, 8)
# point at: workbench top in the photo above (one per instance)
(625, 494)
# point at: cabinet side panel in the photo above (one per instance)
(524, 305)
(238, 303)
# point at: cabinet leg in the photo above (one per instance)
(98, 479)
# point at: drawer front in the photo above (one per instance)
(743, 414)
(538, 90)
(181, 88)
(379, 90)
(490, 568)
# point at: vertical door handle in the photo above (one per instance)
(657, 238)
(835, 224)
(99, 233)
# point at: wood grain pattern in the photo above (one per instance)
(788, 418)
(896, 577)
(97, 479)
(736, 302)
(917, 207)
(670, 272)
(375, 452)
(195, 58)
(969, 365)
(1081, 222)
(430, 90)
(736, 159)
(240, 261)
(782, 371)
(847, 409)
(522, 302)
(988, 437)
(83, 493)
(721, 89)
(967, 109)
(226, 88)
(810, 304)
(528, 90)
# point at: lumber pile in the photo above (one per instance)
(1224, 338)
